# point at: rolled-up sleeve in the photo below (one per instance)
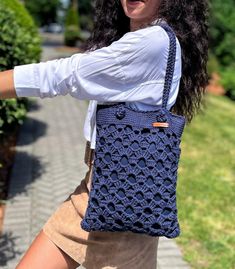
(113, 73)
(46, 79)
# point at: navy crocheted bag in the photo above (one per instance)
(136, 158)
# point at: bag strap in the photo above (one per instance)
(170, 63)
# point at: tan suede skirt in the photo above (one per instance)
(97, 249)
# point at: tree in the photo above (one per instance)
(86, 11)
(85, 7)
(44, 12)
(222, 22)
(222, 41)
(72, 27)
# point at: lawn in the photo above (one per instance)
(206, 187)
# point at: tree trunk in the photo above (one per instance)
(74, 3)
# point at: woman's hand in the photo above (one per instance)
(7, 89)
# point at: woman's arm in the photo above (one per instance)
(130, 69)
(7, 89)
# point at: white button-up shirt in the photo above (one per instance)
(131, 69)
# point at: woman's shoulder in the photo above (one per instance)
(150, 33)
(151, 40)
(153, 31)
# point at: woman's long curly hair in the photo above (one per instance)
(188, 19)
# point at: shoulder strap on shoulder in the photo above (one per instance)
(170, 62)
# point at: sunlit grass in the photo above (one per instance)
(206, 187)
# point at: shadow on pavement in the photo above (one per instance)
(7, 248)
(31, 130)
(33, 105)
(27, 169)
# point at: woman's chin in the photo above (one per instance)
(135, 13)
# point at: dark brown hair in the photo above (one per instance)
(189, 21)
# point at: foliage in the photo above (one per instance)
(19, 39)
(213, 64)
(85, 6)
(12, 112)
(222, 21)
(44, 12)
(222, 35)
(228, 81)
(21, 15)
(86, 18)
(206, 187)
(72, 29)
(86, 23)
(19, 44)
(72, 17)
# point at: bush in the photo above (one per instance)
(212, 64)
(228, 81)
(72, 29)
(19, 39)
(12, 112)
(19, 44)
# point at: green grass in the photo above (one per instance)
(206, 187)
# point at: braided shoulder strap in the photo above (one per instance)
(170, 63)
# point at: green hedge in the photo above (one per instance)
(19, 44)
(19, 38)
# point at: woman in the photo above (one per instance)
(126, 62)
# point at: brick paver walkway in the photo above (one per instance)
(48, 166)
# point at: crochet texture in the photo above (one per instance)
(135, 167)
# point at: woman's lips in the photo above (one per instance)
(134, 2)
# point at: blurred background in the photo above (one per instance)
(33, 31)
